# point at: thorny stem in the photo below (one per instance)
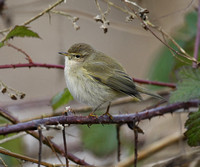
(118, 142)
(4, 113)
(65, 146)
(44, 65)
(197, 41)
(23, 52)
(29, 65)
(116, 119)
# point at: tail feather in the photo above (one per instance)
(145, 91)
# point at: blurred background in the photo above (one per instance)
(136, 49)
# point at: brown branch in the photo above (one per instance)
(25, 158)
(29, 65)
(151, 149)
(20, 50)
(44, 65)
(40, 146)
(118, 142)
(116, 119)
(4, 113)
(65, 146)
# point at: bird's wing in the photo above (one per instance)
(115, 78)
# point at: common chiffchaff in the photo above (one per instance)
(94, 78)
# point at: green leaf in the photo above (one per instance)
(193, 129)
(188, 86)
(61, 98)
(21, 31)
(1, 44)
(101, 140)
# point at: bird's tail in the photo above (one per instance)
(145, 91)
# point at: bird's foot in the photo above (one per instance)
(92, 114)
(108, 115)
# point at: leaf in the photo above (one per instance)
(21, 31)
(1, 44)
(188, 86)
(193, 129)
(101, 140)
(61, 98)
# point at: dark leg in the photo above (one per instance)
(92, 114)
(107, 111)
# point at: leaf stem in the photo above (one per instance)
(197, 41)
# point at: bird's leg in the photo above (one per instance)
(92, 114)
(107, 111)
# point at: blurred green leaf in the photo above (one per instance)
(15, 145)
(100, 139)
(1, 44)
(193, 129)
(188, 86)
(21, 31)
(61, 98)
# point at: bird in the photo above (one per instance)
(95, 79)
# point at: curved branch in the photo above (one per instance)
(44, 65)
(116, 119)
(4, 113)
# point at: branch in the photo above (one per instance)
(4, 113)
(20, 50)
(151, 149)
(44, 65)
(29, 65)
(197, 41)
(116, 119)
(25, 158)
(171, 85)
(37, 16)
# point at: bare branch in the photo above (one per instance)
(116, 119)
(4, 113)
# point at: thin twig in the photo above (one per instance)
(197, 41)
(12, 137)
(44, 65)
(33, 18)
(25, 158)
(65, 146)
(22, 51)
(53, 149)
(118, 142)
(40, 146)
(4, 113)
(3, 163)
(151, 149)
(147, 24)
(136, 146)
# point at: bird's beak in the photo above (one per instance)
(64, 53)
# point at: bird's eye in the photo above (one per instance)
(77, 56)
